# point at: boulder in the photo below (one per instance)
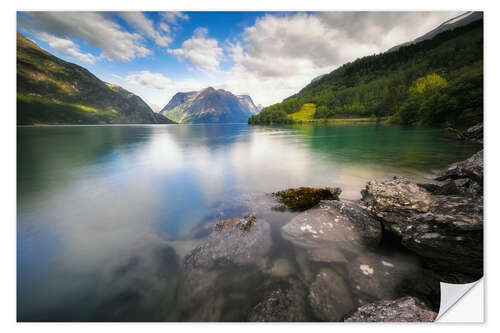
(333, 230)
(329, 296)
(285, 300)
(471, 168)
(449, 236)
(394, 201)
(446, 231)
(226, 266)
(304, 198)
(405, 309)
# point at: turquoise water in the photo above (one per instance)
(91, 197)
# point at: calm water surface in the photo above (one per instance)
(90, 198)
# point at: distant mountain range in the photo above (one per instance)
(209, 106)
(451, 24)
(53, 91)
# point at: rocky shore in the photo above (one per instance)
(380, 258)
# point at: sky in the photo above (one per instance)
(267, 55)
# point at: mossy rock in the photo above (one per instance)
(303, 198)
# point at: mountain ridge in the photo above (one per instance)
(209, 105)
(453, 23)
(53, 91)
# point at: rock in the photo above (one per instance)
(332, 230)
(284, 301)
(329, 296)
(376, 276)
(446, 231)
(306, 197)
(405, 309)
(474, 133)
(228, 263)
(449, 236)
(471, 168)
(140, 284)
(454, 133)
(394, 201)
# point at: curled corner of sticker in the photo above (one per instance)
(452, 293)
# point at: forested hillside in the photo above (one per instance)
(53, 91)
(436, 81)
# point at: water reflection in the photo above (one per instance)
(106, 213)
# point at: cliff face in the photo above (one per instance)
(51, 90)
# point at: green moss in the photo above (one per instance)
(304, 198)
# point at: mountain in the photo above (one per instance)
(317, 78)
(248, 102)
(458, 21)
(53, 91)
(433, 81)
(209, 106)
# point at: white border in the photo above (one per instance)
(8, 137)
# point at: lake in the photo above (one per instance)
(94, 202)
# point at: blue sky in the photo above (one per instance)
(268, 56)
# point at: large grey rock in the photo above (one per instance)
(329, 296)
(222, 269)
(405, 309)
(470, 168)
(284, 301)
(394, 201)
(449, 235)
(447, 231)
(333, 229)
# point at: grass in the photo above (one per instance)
(41, 110)
(306, 113)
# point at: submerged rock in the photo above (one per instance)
(304, 198)
(405, 309)
(329, 296)
(227, 264)
(332, 230)
(375, 276)
(140, 284)
(284, 301)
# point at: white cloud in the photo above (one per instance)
(174, 17)
(146, 26)
(67, 47)
(280, 54)
(148, 79)
(98, 30)
(201, 52)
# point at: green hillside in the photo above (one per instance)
(305, 113)
(436, 81)
(53, 91)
